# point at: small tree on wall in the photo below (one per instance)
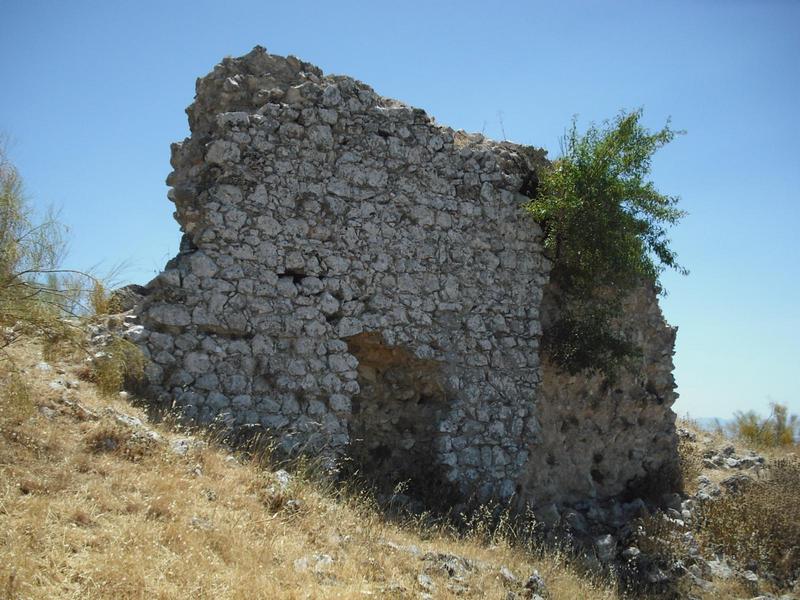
(605, 228)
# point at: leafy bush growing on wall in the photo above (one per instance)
(605, 228)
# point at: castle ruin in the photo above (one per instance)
(361, 282)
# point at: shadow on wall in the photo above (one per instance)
(600, 438)
(395, 420)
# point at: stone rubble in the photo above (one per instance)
(685, 563)
(536, 586)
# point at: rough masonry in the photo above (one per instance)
(361, 282)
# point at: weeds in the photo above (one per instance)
(779, 428)
(761, 523)
(690, 457)
(99, 299)
(16, 401)
(119, 363)
(660, 536)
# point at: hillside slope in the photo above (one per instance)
(98, 503)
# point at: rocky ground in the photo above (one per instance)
(664, 546)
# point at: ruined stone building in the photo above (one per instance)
(361, 282)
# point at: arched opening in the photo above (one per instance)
(395, 418)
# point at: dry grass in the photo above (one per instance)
(17, 404)
(99, 299)
(690, 455)
(119, 362)
(761, 523)
(87, 511)
(778, 429)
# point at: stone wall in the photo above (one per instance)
(360, 281)
(601, 438)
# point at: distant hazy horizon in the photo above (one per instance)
(709, 423)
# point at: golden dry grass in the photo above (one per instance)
(760, 524)
(87, 511)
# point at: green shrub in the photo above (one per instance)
(34, 293)
(778, 429)
(605, 230)
(38, 298)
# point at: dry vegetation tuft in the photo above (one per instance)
(778, 429)
(758, 523)
(761, 523)
(17, 404)
(690, 456)
(119, 362)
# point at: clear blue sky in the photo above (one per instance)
(93, 93)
